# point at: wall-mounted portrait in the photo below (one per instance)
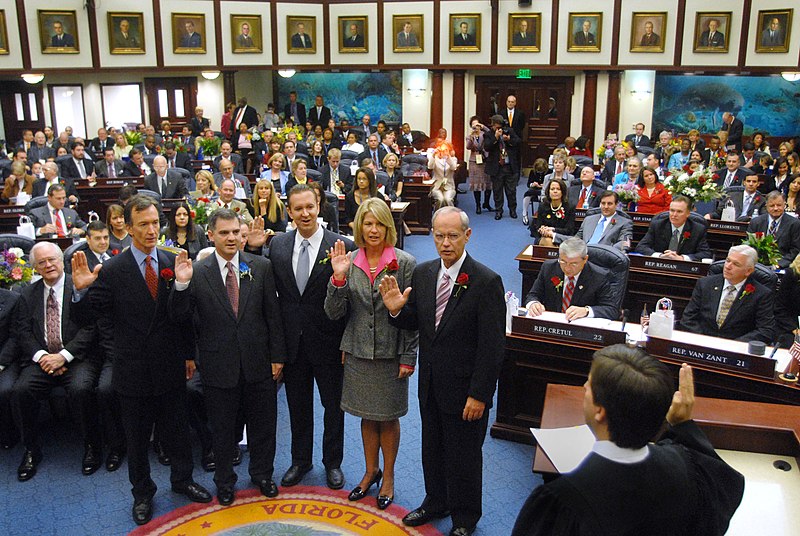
(58, 32)
(3, 33)
(189, 33)
(353, 34)
(711, 31)
(408, 33)
(465, 32)
(125, 31)
(301, 33)
(585, 32)
(647, 31)
(774, 29)
(246, 36)
(524, 32)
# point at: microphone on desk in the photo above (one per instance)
(775, 345)
(624, 319)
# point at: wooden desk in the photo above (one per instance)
(420, 209)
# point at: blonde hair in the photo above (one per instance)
(275, 206)
(378, 208)
(208, 177)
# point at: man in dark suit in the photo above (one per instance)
(407, 38)
(295, 110)
(586, 194)
(54, 351)
(101, 142)
(773, 35)
(677, 237)
(408, 137)
(95, 247)
(234, 292)
(191, 39)
(354, 40)
(152, 357)
(572, 285)
(54, 217)
(732, 305)
(784, 228)
(167, 182)
(61, 38)
(522, 37)
(136, 166)
(374, 151)
(745, 203)
(607, 227)
(457, 305)
(124, 38)
(301, 40)
(177, 159)
(198, 124)
(650, 38)
(336, 178)
(614, 166)
(312, 338)
(638, 138)
(50, 170)
(464, 38)
(319, 114)
(39, 151)
(239, 181)
(732, 175)
(9, 366)
(515, 118)
(226, 150)
(748, 159)
(712, 37)
(501, 165)
(244, 113)
(735, 128)
(585, 37)
(79, 166)
(244, 39)
(109, 166)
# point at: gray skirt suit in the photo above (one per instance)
(374, 349)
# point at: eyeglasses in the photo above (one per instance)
(452, 237)
(41, 263)
(571, 264)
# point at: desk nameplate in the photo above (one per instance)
(536, 327)
(668, 265)
(580, 213)
(640, 217)
(730, 226)
(752, 365)
(544, 252)
(13, 210)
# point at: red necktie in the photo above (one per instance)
(581, 199)
(150, 277)
(233, 288)
(59, 223)
(567, 298)
(619, 167)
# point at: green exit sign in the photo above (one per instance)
(524, 73)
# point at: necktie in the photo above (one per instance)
(150, 277)
(619, 167)
(239, 117)
(727, 302)
(59, 223)
(728, 180)
(172, 162)
(773, 227)
(746, 205)
(53, 321)
(598, 231)
(582, 198)
(301, 275)
(334, 179)
(511, 117)
(227, 205)
(232, 287)
(111, 171)
(566, 299)
(638, 138)
(442, 297)
(163, 186)
(82, 169)
(674, 241)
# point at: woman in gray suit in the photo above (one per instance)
(378, 358)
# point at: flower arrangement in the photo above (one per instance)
(284, 132)
(696, 185)
(13, 268)
(179, 145)
(627, 192)
(201, 209)
(133, 137)
(254, 135)
(606, 150)
(766, 247)
(209, 147)
(462, 282)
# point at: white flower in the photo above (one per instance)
(691, 192)
(683, 178)
(18, 253)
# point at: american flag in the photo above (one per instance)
(794, 351)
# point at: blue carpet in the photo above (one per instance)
(59, 500)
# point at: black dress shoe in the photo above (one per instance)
(295, 474)
(114, 460)
(513, 215)
(478, 209)
(462, 531)
(498, 215)
(487, 207)
(92, 459)
(208, 461)
(237, 456)
(226, 496)
(357, 494)
(142, 512)
(384, 501)
(335, 478)
(194, 491)
(268, 488)
(420, 516)
(27, 468)
(163, 458)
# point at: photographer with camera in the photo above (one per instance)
(479, 181)
(502, 164)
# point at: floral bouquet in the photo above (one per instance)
(13, 268)
(179, 145)
(201, 209)
(133, 137)
(766, 247)
(696, 185)
(284, 132)
(627, 193)
(209, 147)
(606, 150)
(254, 135)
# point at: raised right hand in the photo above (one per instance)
(183, 267)
(393, 299)
(82, 277)
(683, 399)
(340, 262)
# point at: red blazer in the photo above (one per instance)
(653, 204)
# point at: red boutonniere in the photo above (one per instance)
(392, 266)
(462, 282)
(594, 194)
(758, 199)
(114, 252)
(236, 209)
(759, 235)
(687, 235)
(168, 275)
(557, 282)
(613, 221)
(748, 289)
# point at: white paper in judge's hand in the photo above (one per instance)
(566, 447)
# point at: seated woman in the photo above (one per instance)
(352, 144)
(680, 159)
(555, 215)
(696, 143)
(394, 185)
(631, 174)
(269, 206)
(243, 144)
(327, 211)
(121, 147)
(204, 182)
(18, 180)
(443, 163)
(794, 163)
(559, 172)
(364, 187)
(118, 237)
(653, 196)
(299, 174)
(697, 156)
(582, 147)
(760, 143)
(317, 159)
(784, 149)
(792, 197)
(183, 232)
(536, 179)
(329, 141)
(276, 173)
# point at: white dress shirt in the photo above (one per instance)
(314, 241)
(58, 290)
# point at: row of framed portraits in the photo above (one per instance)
(58, 32)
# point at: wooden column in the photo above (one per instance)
(458, 114)
(612, 106)
(437, 103)
(229, 87)
(589, 105)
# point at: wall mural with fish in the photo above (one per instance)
(767, 104)
(349, 95)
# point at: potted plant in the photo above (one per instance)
(208, 147)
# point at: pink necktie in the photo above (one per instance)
(442, 297)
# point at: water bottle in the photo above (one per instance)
(755, 212)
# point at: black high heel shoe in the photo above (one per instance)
(357, 494)
(384, 501)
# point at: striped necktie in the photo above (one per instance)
(566, 300)
(442, 297)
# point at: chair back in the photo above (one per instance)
(9, 240)
(150, 193)
(35, 202)
(596, 210)
(696, 218)
(349, 155)
(381, 178)
(416, 159)
(69, 252)
(763, 274)
(617, 264)
(314, 174)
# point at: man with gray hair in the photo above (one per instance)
(732, 305)
(785, 229)
(572, 285)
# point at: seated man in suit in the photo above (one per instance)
(587, 193)
(628, 396)
(226, 172)
(167, 182)
(177, 159)
(109, 166)
(50, 171)
(747, 204)
(226, 153)
(9, 366)
(677, 237)
(748, 160)
(299, 146)
(608, 227)
(227, 191)
(373, 151)
(407, 137)
(572, 285)
(79, 166)
(101, 142)
(136, 166)
(614, 166)
(54, 218)
(39, 151)
(733, 175)
(336, 178)
(54, 351)
(96, 246)
(638, 138)
(732, 305)
(785, 229)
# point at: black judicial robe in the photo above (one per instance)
(682, 488)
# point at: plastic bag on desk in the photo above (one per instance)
(25, 227)
(729, 212)
(662, 321)
(512, 308)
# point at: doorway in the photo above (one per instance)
(23, 108)
(171, 99)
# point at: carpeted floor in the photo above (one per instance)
(59, 500)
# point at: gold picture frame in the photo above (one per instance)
(189, 33)
(771, 39)
(465, 38)
(585, 32)
(712, 39)
(3, 33)
(58, 32)
(353, 34)
(411, 40)
(647, 31)
(246, 34)
(125, 32)
(524, 32)
(301, 35)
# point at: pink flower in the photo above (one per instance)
(16, 274)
